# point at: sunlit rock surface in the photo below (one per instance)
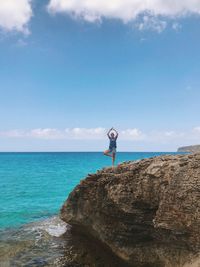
(147, 212)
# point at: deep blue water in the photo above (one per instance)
(33, 186)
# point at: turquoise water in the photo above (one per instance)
(34, 185)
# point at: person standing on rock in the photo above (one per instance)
(111, 152)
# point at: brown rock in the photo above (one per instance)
(146, 212)
(190, 149)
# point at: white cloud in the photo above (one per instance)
(35, 133)
(15, 15)
(47, 133)
(177, 138)
(132, 134)
(176, 26)
(151, 23)
(98, 133)
(86, 133)
(128, 10)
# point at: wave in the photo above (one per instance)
(54, 226)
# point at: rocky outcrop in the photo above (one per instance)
(190, 149)
(146, 212)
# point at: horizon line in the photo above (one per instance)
(86, 151)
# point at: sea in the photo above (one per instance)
(33, 187)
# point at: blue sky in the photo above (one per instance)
(67, 76)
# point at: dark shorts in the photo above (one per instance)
(112, 150)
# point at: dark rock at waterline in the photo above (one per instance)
(147, 213)
(84, 251)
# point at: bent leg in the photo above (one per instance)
(106, 153)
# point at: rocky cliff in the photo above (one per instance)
(147, 212)
(191, 149)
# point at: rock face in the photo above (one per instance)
(192, 149)
(147, 212)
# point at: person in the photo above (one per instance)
(111, 152)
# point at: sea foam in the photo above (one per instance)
(54, 226)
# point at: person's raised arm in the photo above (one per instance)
(108, 133)
(117, 134)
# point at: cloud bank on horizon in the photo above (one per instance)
(99, 133)
(16, 14)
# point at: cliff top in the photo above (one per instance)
(143, 211)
